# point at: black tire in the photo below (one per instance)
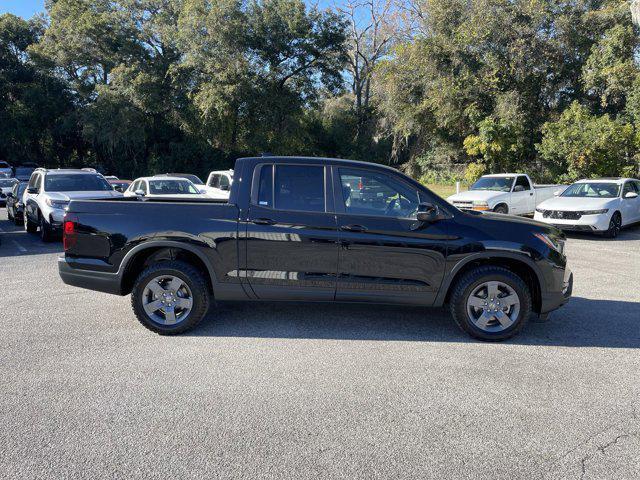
(10, 216)
(196, 282)
(46, 234)
(502, 208)
(29, 226)
(615, 225)
(17, 220)
(472, 280)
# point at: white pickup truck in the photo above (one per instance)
(219, 184)
(504, 193)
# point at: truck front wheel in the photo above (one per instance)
(170, 297)
(491, 303)
(502, 208)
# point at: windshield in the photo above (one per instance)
(7, 182)
(76, 183)
(592, 190)
(192, 178)
(4, 165)
(171, 187)
(498, 184)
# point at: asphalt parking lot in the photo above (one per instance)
(321, 391)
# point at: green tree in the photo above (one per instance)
(586, 145)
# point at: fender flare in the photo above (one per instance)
(448, 279)
(126, 260)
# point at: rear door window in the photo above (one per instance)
(292, 187)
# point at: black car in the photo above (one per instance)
(293, 229)
(15, 207)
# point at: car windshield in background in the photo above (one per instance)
(592, 190)
(171, 187)
(76, 183)
(498, 184)
(7, 182)
(193, 178)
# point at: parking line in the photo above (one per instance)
(19, 247)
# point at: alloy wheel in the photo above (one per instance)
(167, 300)
(493, 306)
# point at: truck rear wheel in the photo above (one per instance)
(170, 297)
(491, 303)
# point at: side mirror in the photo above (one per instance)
(139, 193)
(32, 190)
(224, 187)
(631, 195)
(428, 213)
(518, 188)
(557, 193)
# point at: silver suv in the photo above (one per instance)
(50, 191)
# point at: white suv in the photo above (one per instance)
(50, 191)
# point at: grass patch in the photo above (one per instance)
(444, 190)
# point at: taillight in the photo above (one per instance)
(69, 233)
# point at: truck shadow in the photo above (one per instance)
(581, 323)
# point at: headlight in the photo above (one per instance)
(595, 212)
(57, 203)
(553, 242)
(479, 205)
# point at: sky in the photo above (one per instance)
(22, 8)
(27, 8)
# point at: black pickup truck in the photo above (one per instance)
(316, 229)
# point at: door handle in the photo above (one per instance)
(353, 228)
(263, 221)
(531, 194)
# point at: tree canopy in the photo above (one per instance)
(438, 88)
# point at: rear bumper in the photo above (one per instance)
(89, 279)
(554, 300)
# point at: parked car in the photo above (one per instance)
(292, 232)
(512, 193)
(6, 185)
(15, 207)
(192, 178)
(163, 187)
(6, 169)
(119, 185)
(23, 171)
(50, 191)
(219, 183)
(603, 205)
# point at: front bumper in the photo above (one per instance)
(554, 300)
(587, 223)
(90, 279)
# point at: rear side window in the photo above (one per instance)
(294, 187)
(523, 182)
(224, 181)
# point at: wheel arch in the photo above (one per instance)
(519, 265)
(148, 253)
(501, 203)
